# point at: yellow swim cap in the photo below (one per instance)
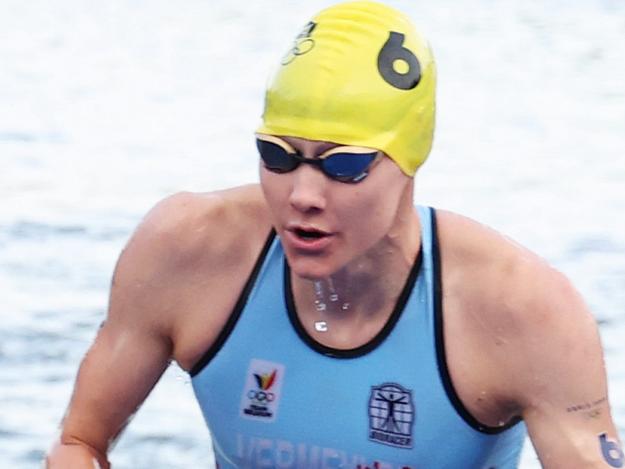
(358, 74)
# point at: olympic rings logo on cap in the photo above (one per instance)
(302, 45)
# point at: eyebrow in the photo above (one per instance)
(324, 147)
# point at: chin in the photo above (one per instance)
(311, 268)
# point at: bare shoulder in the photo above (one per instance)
(185, 245)
(188, 225)
(515, 284)
(534, 328)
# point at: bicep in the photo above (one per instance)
(567, 407)
(131, 351)
(114, 378)
(578, 434)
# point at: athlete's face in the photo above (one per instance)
(325, 224)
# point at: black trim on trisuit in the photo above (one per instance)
(375, 341)
(440, 345)
(236, 311)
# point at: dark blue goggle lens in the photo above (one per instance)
(275, 157)
(343, 166)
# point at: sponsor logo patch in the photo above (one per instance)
(261, 392)
(391, 415)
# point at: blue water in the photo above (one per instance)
(107, 107)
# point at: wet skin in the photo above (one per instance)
(519, 338)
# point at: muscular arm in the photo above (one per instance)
(561, 378)
(131, 350)
(114, 378)
(188, 245)
(522, 341)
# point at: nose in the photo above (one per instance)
(308, 190)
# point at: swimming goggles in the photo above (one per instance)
(345, 163)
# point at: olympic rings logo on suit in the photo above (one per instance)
(260, 396)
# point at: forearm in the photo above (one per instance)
(75, 456)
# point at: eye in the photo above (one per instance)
(275, 157)
(348, 164)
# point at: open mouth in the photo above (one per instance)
(308, 239)
(309, 234)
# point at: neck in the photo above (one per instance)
(368, 286)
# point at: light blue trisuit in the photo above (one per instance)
(273, 397)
